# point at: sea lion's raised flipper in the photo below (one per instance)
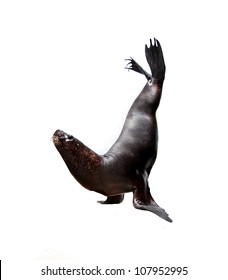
(134, 66)
(155, 60)
(115, 199)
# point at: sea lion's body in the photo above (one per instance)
(135, 150)
(127, 165)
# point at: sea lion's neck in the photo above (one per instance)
(82, 162)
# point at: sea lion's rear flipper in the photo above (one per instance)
(155, 59)
(134, 66)
(114, 199)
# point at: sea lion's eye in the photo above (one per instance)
(69, 138)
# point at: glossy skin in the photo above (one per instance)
(135, 151)
(127, 165)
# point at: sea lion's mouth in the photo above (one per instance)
(57, 136)
(56, 140)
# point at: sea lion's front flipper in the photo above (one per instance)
(143, 200)
(153, 207)
(114, 199)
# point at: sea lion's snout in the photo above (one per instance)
(59, 133)
(60, 136)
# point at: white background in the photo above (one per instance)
(62, 66)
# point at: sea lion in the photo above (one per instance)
(127, 165)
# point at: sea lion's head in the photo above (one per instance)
(63, 141)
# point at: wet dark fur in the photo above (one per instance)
(127, 165)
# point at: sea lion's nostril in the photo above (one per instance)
(59, 133)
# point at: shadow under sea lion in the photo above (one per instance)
(127, 165)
